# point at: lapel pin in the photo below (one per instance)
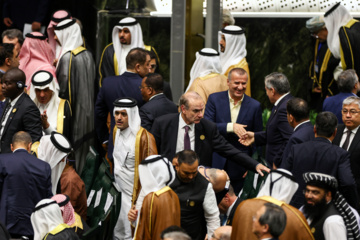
(202, 137)
(14, 110)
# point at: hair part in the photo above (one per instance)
(275, 217)
(347, 101)
(6, 51)
(12, 34)
(298, 108)
(325, 124)
(347, 80)
(155, 81)
(21, 138)
(187, 156)
(277, 81)
(136, 56)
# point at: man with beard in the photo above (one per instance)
(196, 196)
(327, 212)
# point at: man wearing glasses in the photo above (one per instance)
(348, 136)
(348, 84)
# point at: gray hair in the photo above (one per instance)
(185, 98)
(177, 236)
(346, 80)
(12, 34)
(275, 217)
(227, 17)
(277, 81)
(350, 100)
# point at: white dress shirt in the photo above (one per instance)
(211, 210)
(12, 103)
(181, 134)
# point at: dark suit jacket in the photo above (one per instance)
(304, 133)
(218, 111)
(207, 141)
(158, 106)
(25, 116)
(125, 85)
(24, 181)
(319, 155)
(354, 151)
(232, 212)
(334, 104)
(277, 133)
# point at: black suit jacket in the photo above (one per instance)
(277, 134)
(354, 151)
(319, 155)
(207, 141)
(24, 116)
(232, 212)
(158, 106)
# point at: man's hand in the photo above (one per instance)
(44, 120)
(36, 26)
(239, 129)
(247, 139)
(317, 90)
(8, 22)
(132, 215)
(260, 168)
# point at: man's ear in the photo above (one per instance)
(7, 61)
(175, 163)
(11, 147)
(265, 228)
(137, 67)
(29, 147)
(328, 196)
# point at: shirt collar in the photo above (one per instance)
(301, 124)
(353, 131)
(182, 123)
(230, 208)
(155, 96)
(277, 102)
(13, 102)
(232, 100)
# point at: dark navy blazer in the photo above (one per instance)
(24, 181)
(277, 134)
(218, 111)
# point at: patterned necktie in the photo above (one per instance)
(187, 145)
(347, 140)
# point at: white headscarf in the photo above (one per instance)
(279, 186)
(207, 61)
(69, 37)
(334, 20)
(235, 49)
(49, 153)
(133, 116)
(46, 218)
(52, 106)
(122, 50)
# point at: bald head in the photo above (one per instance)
(21, 140)
(217, 177)
(223, 233)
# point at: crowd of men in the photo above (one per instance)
(186, 170)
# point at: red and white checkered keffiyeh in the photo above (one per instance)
(66, 208)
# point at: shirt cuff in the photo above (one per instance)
(230, 127)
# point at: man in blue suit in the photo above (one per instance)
(24, 181)
(348, 84)
(233, 111)
(278, 130)
(298, 118)
(319, 155)
(157, 104)
(125, 85)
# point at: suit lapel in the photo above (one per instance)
(243, 110)
(355, 141)
(198, 133)
(339, 134)
(13, 112)
(173, 137)
(223, 103)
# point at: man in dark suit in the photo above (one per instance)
(188, 130)
(298, 118)
(228, 206)
(24, 181)
(269, 222)
(348, 84)
(278, 131)
(157, 104)
(319, 155)
(20, 113)
(351, 119)
(125, 85)
(233, 111)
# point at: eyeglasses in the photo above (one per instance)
(351, 112)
